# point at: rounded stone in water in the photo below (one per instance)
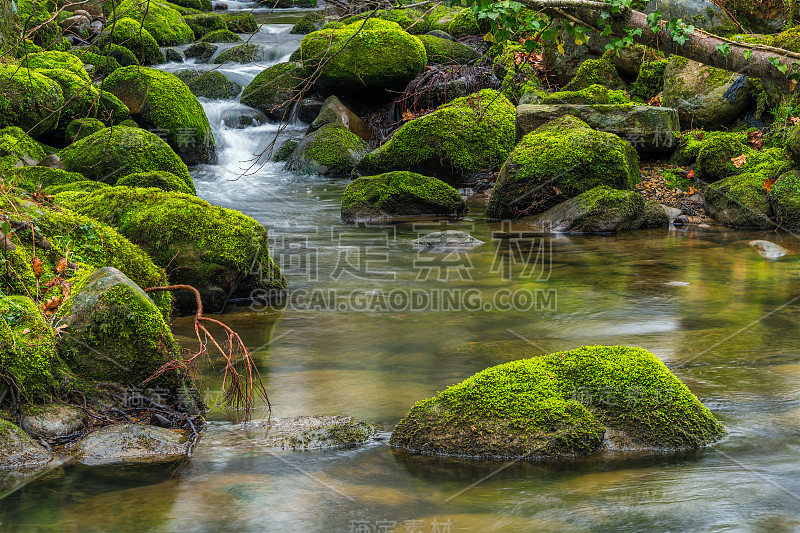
(243, 118)
(447, 239)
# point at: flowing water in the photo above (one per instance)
(374, 325)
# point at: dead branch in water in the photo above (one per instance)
(239, 390)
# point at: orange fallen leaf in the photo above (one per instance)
(690, 174)
(62, 265)
(794, 120)
(26, 331)
(36, 263)
(408, 115)
(769, 183)
(739, 161)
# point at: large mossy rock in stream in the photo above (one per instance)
(205, 23)
(559, 161)
(332, 150)
(649, 129)
(364, 58)
(599, 211)
(159, 100)
(112, 153)
(40, 233)
(447, 52)
(221, 36)
(579, 402)
(27, 348)
(243, 53)
(275, 90)
(468, 135)
(739, 201)
(221, 252)
(18, 450)
(29, 100)
(18, 149)
(50, 60)
(131, 443)
(399, 194)
(705, 97)
(130, 34)
(163, 22)
(81, 98)
(209, 84)
(784, 197)
(113, 331)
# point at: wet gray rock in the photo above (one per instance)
(448, 239)
(51, 161)
(672, 213)
(202, 52)
(173, 55)
(649, 129)
(309, 108)
(18, 449)
(769, 250)
(125, 443)
(333, 111)
(244, 117)
(52, 420)
(76, 24)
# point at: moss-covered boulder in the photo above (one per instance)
(283, 153)
(364, 57)
(119, 53)
(27, 348)
(447, 52)
(205, 23)
(221, 252)
(332, 150)
(29, 100)
(132, 443)
(714, 157)
(202, 52)
(597, 72)
(166, 181)
(601, 210)
(209, 84)
(99, 66)
(579, 402)
(163, 22)
(591, 95)
(275, 90)
(32, 178)
(399, 194)
(54, 60)
(705, 97)
(242, 53)
(221, 36)
(88, 245)
(130, 34)
(116, 152)
(114, 331)
(18, 149)
(333, 111)
(784, 197)
(79, 186)
(559, 161)
(80, 98)
(308, 23)
(82, 127)
(240, 22)
(650, 79)
(464, 23)
(468, 135)
(18, 450)
(159, 100)
(739, 201)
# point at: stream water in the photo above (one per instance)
(374, 325)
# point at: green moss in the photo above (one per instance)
(16, 147)
(221, 36)
(119, 53)
(788, 40)
(29, 100)
(220, 251)
(202, 52)
(560, 404)
(714, 156)
(243, 53)
(165, 181)
(307, 23)
(240, 22)
(80, 97)
(596, 71)
(197, 5)
(592, 95)
(32, 178)
(400, 194)
(517, 79)
(768, 40)
(440, 17)
(739, 201)
(166, 25)
(650, 80)
(330, 150)
(130, 34)
(447, 52)
(111, 111)
(467, 135)
(209, 84)
(558, 161)
(464, 23)
(115, 152)
(79, 186)
(274, 89)
(784, 197)
(56, 61)
(158, 99)
(27, 348)
(285, 151)
(103, 64)
(378, 56)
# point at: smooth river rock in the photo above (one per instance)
(126, 443)
(52, 420)
(768, 249)
(447, 239)
(18, 449)
(649, 129)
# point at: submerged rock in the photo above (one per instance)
(18, 450)
(768, 249)
(447, 239)
(52, 420)
(571, 403)
(131, 443)
(400, 194)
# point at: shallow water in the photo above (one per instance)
(358, 338)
